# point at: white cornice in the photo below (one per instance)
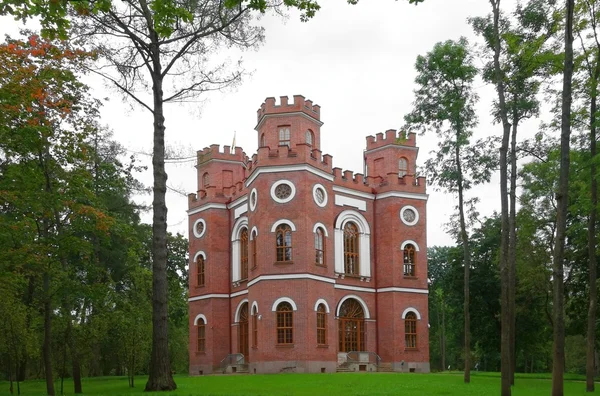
(238, 202)
(287, 168)
(204, 297)
(206, 207)
(393, 145)
(300, 113)
(291, 277)
(349, 191)
(197, 166)
(240, 293)
(355, 288)
(402, 290)
(396, 194)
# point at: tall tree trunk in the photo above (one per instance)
(512, 247)
(160, 378)
(558, 364)
(467, 262)
(591, 325)
(443, 336)
(47, 338)
(505, 357)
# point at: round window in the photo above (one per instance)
(253, 199)
(283, 191)
(320, 195)
(199, 228)
(409, 215)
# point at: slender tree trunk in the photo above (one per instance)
(512, 248)
(591, 325)
(505, 357)
(160, 378)
(443, 336)
(467, 262)
(75, 363)
(558, 364)
(47, 338)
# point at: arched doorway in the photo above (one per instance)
(351, 326)
(243, 331)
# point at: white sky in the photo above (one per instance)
(357, 62)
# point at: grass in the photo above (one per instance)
(320, 384)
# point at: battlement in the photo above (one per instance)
(283, 155)
(227, 154)
(300, 104)
(398, 138)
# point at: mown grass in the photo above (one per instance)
(319, 384)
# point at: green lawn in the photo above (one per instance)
(320, 384)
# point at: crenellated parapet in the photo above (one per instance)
(299, 104)
(284, 155)
(391, 137)
(214, 152)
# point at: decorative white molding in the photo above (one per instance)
(278, 183)
(407, 242)
(253, 199)
(237, 227)
(239, 293)
(284, 299)
(238, 202)
(411, 309)
(207, 296)
(283, 221)
(409, 207)
(396, 194)
(349, 191)
(322, 301)
(402, 290)
(288, 168)
(357, 298)
(198, 254)
(359, 204)
(352, 215)
(196, 234)
(206, 207)
(253, 233)
(200, 316)
(291, 277)
(240, 211)
(393, 145)
(254, 305)
(236, 318)
(364, 242)
(325, 195)
(354, 288)
(322, 226)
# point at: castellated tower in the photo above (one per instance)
(298, 266)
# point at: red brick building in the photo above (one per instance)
(298, 266)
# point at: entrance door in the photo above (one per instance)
(243, 332)
(351, 327)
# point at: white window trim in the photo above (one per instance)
(254, 305)
(200, 253)
(283, 221)
(253, 233)
(288, 199)
(236, 318)
(324, 203)
(364, 242)
(357, 298)
(322, 226)
(322, 301)
(411, 309)
(255, 194)
(284, 299)
(203, 230)
(200, 316)
(236, 262)
(409, 242)
(415, 221)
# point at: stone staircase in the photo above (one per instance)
(385, 368)
(343, 368)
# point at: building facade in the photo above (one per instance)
(298, 266)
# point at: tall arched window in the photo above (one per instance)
(321, 325)
(285, 323)
(410, 330)
(309, 137)
(409, 260)
(402, 167)
(244, 254)
(243, 331)
(319, 247)
(351, 254)
(201, 329)
(254, 249)
(284, 136)
(205, 180)
(263, 141)
(200, 268)
(351, 326)
(283, 239)
(254, 327)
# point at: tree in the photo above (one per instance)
(444, 100)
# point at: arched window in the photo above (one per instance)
(284, 136)
(201, 328)
(409, 260)
(321, 325)
(283, 238)
(254, 326)
(410, 330)
(263, 141)
(200, 268)
(351, 326)
(402, 167)
(244, 254)
(351, 254)
(243, 331)
(309, 137)
(254, 249)
(319, 247)
(285, 323)
(205, 180)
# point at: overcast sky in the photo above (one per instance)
(356, 62)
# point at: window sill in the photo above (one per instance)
(283, 262)
(322, 346)
(321, 265)
(410, 277)
(199, 287)
(411, 349)
(284, 345)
